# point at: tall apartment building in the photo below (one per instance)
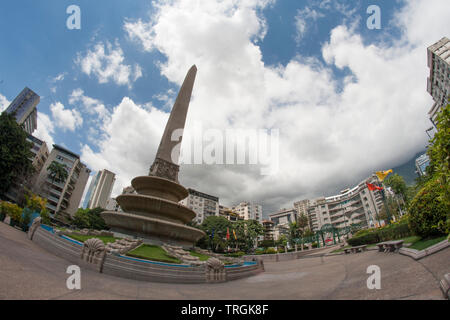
(302, 207)
(100, 189)
(438, 83)
(204, 205)
(40, 154)
(249, 211)
(422, 163)
(358, 205)
(24, 107)
(64, 196)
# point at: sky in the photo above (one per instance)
(341, 100)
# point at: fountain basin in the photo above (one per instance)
(159, 187)
(149, 206)
(152, 230)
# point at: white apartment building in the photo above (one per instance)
(204, 205)
(249, 211)
(64, 196)
(438, 83)
(358, 205)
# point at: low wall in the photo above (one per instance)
(282, 256)
(416, 254)
(133, 268)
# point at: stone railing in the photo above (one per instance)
(92, 254)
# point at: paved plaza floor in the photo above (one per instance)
(29, 272)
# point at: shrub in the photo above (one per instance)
(12, 210)
(314, 244)
(390, 232)
(235, 254)
(270, 251)
(429, 210)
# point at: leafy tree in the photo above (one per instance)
(393, 209)
(398, 185)
(15, 152)
(57, 172)
(216, 229)
(302, 223)
(429, 213)
(247, 232)
(90, 219)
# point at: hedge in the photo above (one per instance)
(390, 232)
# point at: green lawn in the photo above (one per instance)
(202, 257)
(425, 243)
(83, 238)
(411, 239)
(153, 253)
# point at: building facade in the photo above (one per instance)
(438, 83)
(229, 214)
(283, 217)
(249, 211)
(204, 205)
(100, 189)
(24, 107)
(422, 163)
(64, 196)
(358, 205)
(302, 207)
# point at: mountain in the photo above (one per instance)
(408, 169)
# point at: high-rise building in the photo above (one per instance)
(100, 189)
(24, 107)
(438, 83)
(422, 163)
(229, 214)
(64, 196)
(358, 205)
(302, 207)
(40, 154)
(249, 211)
(204, 205)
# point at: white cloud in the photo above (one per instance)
(90, 105)
(106, 62)
(65, 118)
(329, 139)
(132, 137)
(45, 130)
(4, 103)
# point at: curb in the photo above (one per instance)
(416, 254)
(445, 286)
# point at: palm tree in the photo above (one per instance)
(57, 172)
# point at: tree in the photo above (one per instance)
(90, 219)
(15, 153)
(247, 232)
(216, 229)
(57, 172)
(393, 209)
(398, 185)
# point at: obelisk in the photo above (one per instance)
(166, 160)
(154, 212)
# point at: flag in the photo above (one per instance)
(234, 233)
(373, 187)
(228, 234)
(212, 234)
(383, 174)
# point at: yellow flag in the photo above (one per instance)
(383, 174)
(234, 233)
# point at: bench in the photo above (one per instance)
(390, 246)
(355, 249)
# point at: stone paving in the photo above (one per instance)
(29, 272)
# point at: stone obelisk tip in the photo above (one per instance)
(166, 162)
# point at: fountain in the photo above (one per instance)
(154, 213)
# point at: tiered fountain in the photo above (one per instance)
(154, 213)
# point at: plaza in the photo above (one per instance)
(27, 271)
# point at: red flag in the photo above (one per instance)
(373, 187)
(228, 234)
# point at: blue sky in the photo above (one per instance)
(38, 51)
